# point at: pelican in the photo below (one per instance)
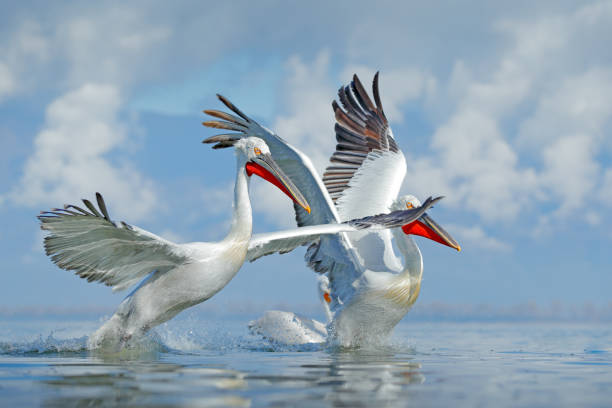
(177, 276)
(366, 287)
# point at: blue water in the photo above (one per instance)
(196, 361)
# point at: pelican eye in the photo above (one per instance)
(409, 205)
(257, 151)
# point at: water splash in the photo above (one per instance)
(189, 334)
(45, 345)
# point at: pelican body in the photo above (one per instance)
(387, 288)
(365, 286)
(176, 276)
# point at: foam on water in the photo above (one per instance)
(190, 334)
(48, 344)
(183, 338)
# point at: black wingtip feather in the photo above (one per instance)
(376, 93)
(77, 208)
(216, 124)
(226, 116)
(222, 141)
(233, 107)
(361, 94)
(102, 206)
(92, 208)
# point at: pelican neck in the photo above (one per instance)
(242, 219)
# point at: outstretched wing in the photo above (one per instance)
(286, 241)
(367, 169)
(337, 254)
(331, 254)
(294, 163)
(100, 250)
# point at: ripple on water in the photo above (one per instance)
(208, 363)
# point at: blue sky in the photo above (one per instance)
(505, 110)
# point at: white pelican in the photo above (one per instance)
(176, 276)
(366, 286)
(179, 276)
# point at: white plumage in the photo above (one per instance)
(367, 288)
(173, 276)
(177, 275)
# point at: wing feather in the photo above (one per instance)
(102, 206)
(293, 162)
(362, 133)
(92, 208)
(337, 253)
(360, 130)
(287, 240)
(99, 250)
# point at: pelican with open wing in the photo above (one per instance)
(173, 276)
(365, 286)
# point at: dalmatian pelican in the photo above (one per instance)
(173, 276)
(365, 285)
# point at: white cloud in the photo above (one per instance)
(535, 40)
(541, 78)
(309, 121)
(21, 55)
(71, 156)
(474, 166)
(110, 45)
(479, 161)
(476, 237)
(592, 218)
(472, 161)
(571, 171)
(28, 42)
(569, 127)
(580, 104)
(98, 44)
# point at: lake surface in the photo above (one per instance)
(202, 362)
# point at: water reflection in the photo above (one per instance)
(362, 378)
(345, 378)
(338, 378)
(145, 384)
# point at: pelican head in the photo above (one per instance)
(259, 161)
(424, 226)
